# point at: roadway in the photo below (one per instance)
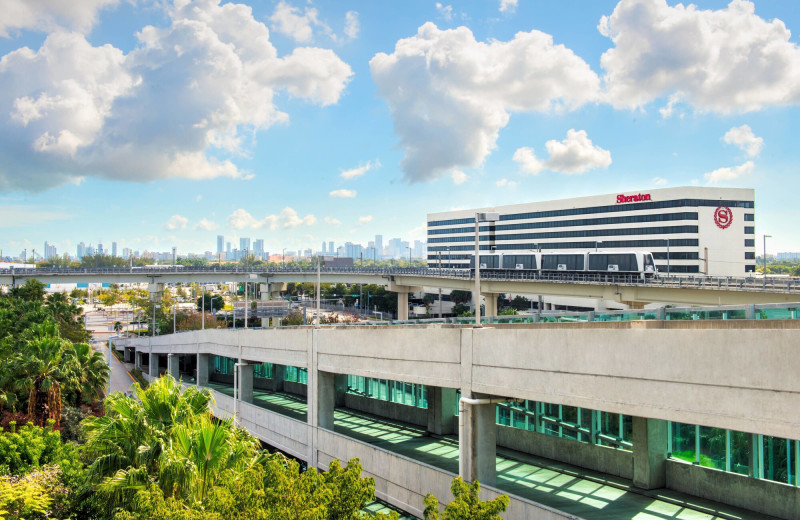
(120, 379)
(695, 290)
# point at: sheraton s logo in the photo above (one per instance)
(723, 217)
(641, 197)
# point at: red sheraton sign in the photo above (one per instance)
(641, 197)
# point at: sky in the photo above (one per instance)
(160, 123)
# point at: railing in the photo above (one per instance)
(727, 283)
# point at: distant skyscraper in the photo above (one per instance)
(113, 249)
(100, 249)
(227, 247)
(81, 251)
(49, 251)
(220, 244)
(379, 245)
(244, 245)
(126, 252)
(331, 249)
(324, 247)
(258, 248)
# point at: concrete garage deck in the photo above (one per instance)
(574, 490)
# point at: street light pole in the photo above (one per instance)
(153, 332)
(319, 277)
(203, 308)
(765, 253)
(480, 217)
(440, 287)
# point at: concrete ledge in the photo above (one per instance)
(763, 496)
(395, 411)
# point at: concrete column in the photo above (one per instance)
(202, 369)
(441, 410)
(246, 383)
(490, 305)
(326, 399)
(137, 360)
(477, 443)
(402, 306)
(264, 290)
(127, 353)
(153, 365)
(278, 374)
(173, 366)
(649, 453)
(156, 290)
(340, 388)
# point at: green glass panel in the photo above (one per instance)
(683, 441)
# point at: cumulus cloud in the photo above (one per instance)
(721, 60)
(332, 221)
(299, 25)
(445, 11)
(745, 139)
(575, 154)
(450, 95)
(343, 194)
(351, 25)
(659, 181)
(364, 220)
(286, 219)
(729, 174)
(505, 183)
(175, 106)
(458, 177)
(177, 222)
(48, 15)
(352, 173)
(206, 225)
(508, 6)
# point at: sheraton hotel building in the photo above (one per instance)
(702, 230)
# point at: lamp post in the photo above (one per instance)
(174, 307)
(480, 217)
(153, 332)
(203, 309)
(440, 287)
(765, 253)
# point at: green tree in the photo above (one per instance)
(87, 372)
(520, 303)
(210, 301)
(460, 309)
(32, 291)
(466, 504)
(460, 296)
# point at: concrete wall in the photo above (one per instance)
(394, 411)
(598, 458)
(769, 498)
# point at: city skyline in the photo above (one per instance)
(363, 119)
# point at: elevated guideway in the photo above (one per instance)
(692, 290)
(729, 374)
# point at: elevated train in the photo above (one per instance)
(589, 262)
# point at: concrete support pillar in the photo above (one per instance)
(490, 306)
(127, 353)
(402, 306)
(649, 453)
(264, 290)
(278, 374)
(154, 365)
(202, 369)
(246, 382)
(326, 399)
(137, 360)
(441, 410)
(477, 443)
(340, 388)
(173, 366)
(156, 290)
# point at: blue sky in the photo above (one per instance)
(165, 123)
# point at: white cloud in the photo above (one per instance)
(206, 225)
(458, 177)
(352, 173)
(286, 219)
(729, 174)
(445, 11)
(364, 220)
(177, 222)
(331, 220)
(505, 183)
(450, 95)
(198, 198)
(299, 25)
(48, 15)
(668, 110)
(745, 139)
(175, 106)
(508, 6)
(659, 181)
(345, 194)
(575, 154)
(721, 60)
(351, 25)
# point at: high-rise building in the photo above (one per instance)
(258, 248)
(220, 244)
(100, 249)
(50, 251)
(331, 249)
(379, 245)
(324, 246)
(81, 250)
(113, 249)
(126, 252)
(244, 245)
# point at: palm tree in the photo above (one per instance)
(87, 372)
(39, 369)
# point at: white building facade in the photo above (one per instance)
(706, 230)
